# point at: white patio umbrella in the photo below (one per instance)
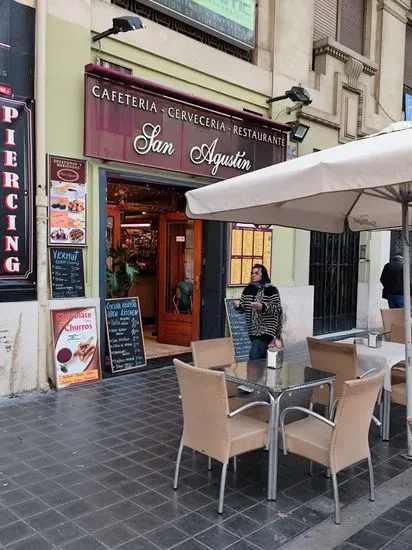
(365, 185)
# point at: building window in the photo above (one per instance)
(114, 66)
(183, 28)
(341, 20)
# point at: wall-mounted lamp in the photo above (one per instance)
(296, 94)
(121, 24)
(298, 131)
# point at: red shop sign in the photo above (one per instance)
(16, 197)
(128, 124)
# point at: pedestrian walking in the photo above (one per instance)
(260, 302)
(392, 281)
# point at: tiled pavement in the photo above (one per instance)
(91, 469)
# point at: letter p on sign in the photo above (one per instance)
(8, 114)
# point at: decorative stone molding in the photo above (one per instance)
(353, 70)
(326, 46)
(391, 9)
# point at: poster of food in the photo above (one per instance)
(76, 347)
(67, 201)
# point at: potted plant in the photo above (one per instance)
(121, 275)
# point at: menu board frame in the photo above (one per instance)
(79, 321)
(248, 244)
(67, 194)
(229, 315)
(135, 367)
(82, 271)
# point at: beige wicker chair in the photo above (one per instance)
(342, 443)
(215, 353)
(209, 427)
(389, 317)
(398, 335)
(335, 357)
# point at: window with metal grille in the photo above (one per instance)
(341, 20)
(183, 28)
(407, 79)
(115, 66)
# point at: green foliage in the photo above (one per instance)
(120, 275)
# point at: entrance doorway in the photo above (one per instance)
(147, 225)
(334, 262)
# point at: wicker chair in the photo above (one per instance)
(209, 427)
(389, 317)
(398, 336)
(214, 353)
(339, 444)
(340, 359)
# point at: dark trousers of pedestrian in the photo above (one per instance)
(258, 349)
(395, 300)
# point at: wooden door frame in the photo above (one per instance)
(196, 303)
(131, 177)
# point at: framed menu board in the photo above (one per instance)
(249, 245)
(67, 201)
(66, 272)
(125, 334)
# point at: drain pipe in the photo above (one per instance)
(41, 193)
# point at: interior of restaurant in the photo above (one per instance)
(134, 224)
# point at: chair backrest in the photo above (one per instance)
(350, 437)
(398, 333)
(335, 357)
(212, 353)
(389, 317)
(205, 410)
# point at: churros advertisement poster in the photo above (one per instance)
(67, 201)
(76, 346)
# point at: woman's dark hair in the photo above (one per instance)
(265, 275)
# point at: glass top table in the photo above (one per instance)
(291, 377)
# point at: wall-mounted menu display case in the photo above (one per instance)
(249, 245)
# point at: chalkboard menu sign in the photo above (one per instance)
(66, 272)
(238, 330)
(125, 334)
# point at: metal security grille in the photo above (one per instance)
(397, 245)
(183, 28)
(334, 260)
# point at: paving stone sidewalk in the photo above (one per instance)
(91, 469)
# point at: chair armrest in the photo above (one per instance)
(306, 411)
(366, 373)
(248, 406)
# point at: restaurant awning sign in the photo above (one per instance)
(16, 191)
(128, 124)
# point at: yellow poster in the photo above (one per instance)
(236, 271)
(246, 269)
(237, 242)
(267, 250)
(247, 243)
(258, 243)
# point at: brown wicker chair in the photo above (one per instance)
(339, 444)
(335, 357)
(398, 371)
(214, 353)
(389, 317)
(208, 425)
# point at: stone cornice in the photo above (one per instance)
(326, 46)
(404, 7)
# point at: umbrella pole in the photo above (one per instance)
(407, 311)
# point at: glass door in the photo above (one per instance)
(180, 260)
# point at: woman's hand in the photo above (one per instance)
(257, 306)
(236, 303)
(276, 343)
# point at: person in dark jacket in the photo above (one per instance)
(392, 281)
(260, 302)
